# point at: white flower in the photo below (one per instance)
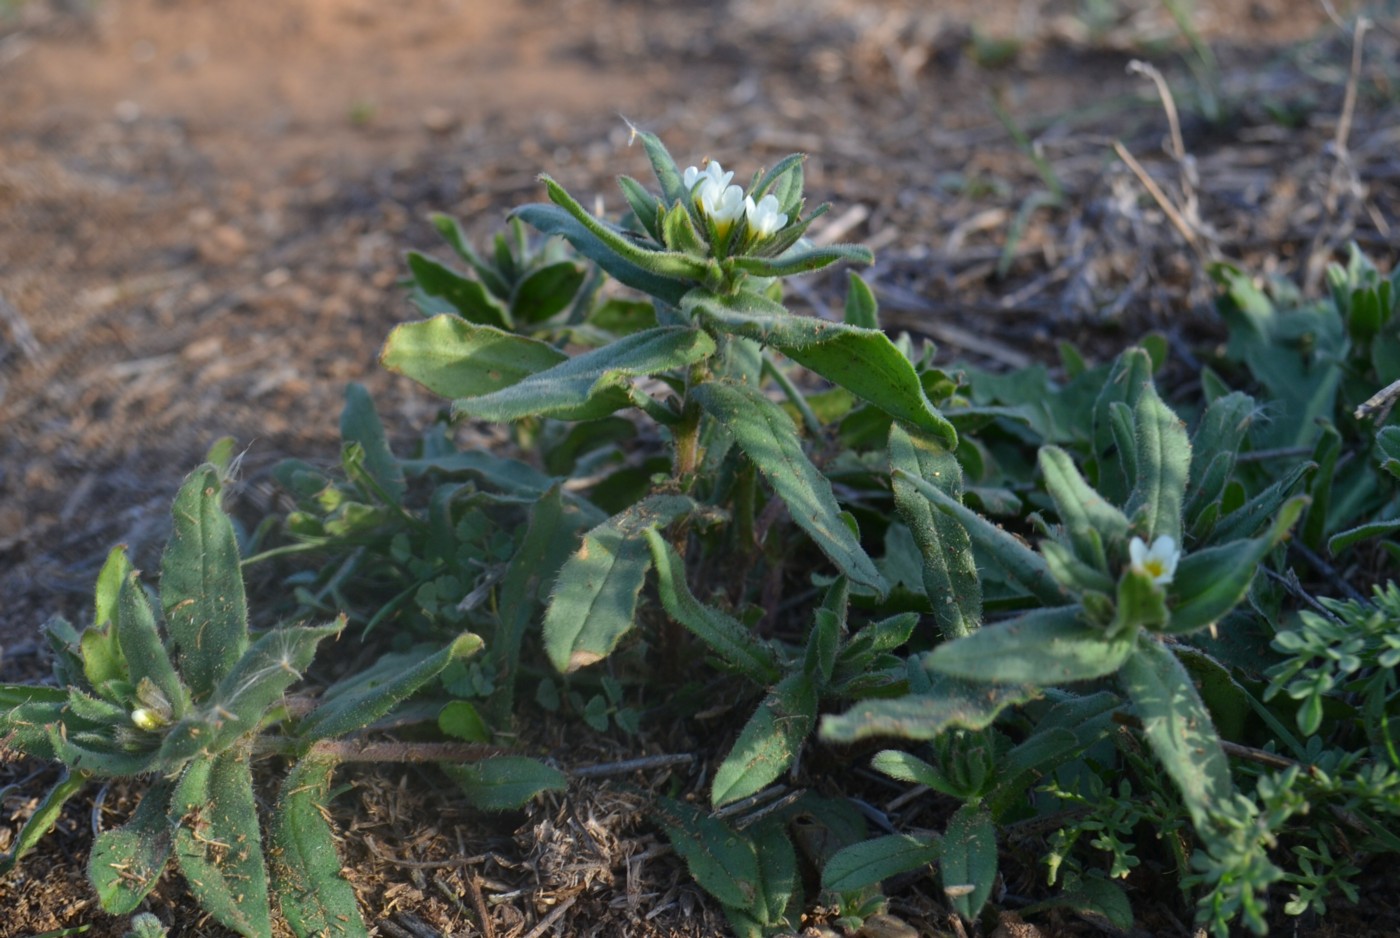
(712, 170)
(724, 204)
(148, 719)
(1158, 561)
(764, 218)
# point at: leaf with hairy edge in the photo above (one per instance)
(1024, 565)
(201, 585)
(547, 291)
(1044, 646)
(218, 844)
(968, 860)
(142, 647)
(862, 310)
(769, 741)
(360, 423)
(801, 262)
(863, 361)
(949, 570)
(314, 897)
(553, 220)
(1163, 459)
(949, 703)
(572, 386)
(662, 163)
(110, 578)
(1177, 727)
(777, 870)
(259, 679)
(1345, 539)
(455, 358)
(594, 602)
(467, 296)
(452, 233)
(726, 636)
(43, 819)
(722, 861)
(769, 438)
(1209, 583)
(505, 783)
(644, 205)
(126, 862)
(873, 861)
(1081, 509)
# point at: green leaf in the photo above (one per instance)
(1045, 646)
(678, 231)
(1024, 565)
(45, 816)
(311, 891)
(1141, 604)
(1163, 460)
(803, 261)
(769, 742)
(142, 647)
(553, 220)
(1254, 514)
(906, 767)
(726, 636)
(468, 297)
(947, 704)
(968, 860)
(115, 571)
(777, 871)
(662, 164)
(218, 844)
(546, 292)
(1083, 511)
(594, 601)
(460, 720)
(770, 440)
(359, 423)
(505, 783)
(1177, 727)
(354, 711)
(949, 570)
(575, 387)
(1209, 583)
(722, 861)
(1345, 539)
(452, 233)
(1102, 902)
(454, 358)
(126, 862)
(872, 861)
(644, 205)
(201, 587)
(863, 361)
(862, 309)
(258, 680)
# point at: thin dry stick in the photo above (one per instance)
(548, 921)
(628, 766)
(1353, 79)
(1379, 404)
(1160, 197)
(1138, 67)
(488, 927)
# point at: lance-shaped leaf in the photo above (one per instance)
(469, 297)
(201, 586)
(873, 861)
(1113, 447)
(126, 862)
(1024, 565)
(769, 438)
(505, 783)
(575, 387)
(1219, 434)
(1209, 583)
(1255, 513)
(726, 636)
(312, 893)
(863, 361)
(862, 309)
(1163, 459)
(452, 233)
(546, 291)
(1177, 727)
(454, 358)
(594, 602)
(360, 423)
(45, 816)
(553, 220)
(142, 647)
(769, 741)
(96, 755)
(778, 882)
(662, 164)
(1081, 509)
(949, 570)
(722, 861)
(949, 702)
(218, 844)
(1045, 646)
(258, 680)
(679, 233)
(644, 205)
(800, 261)
(110, 578)
(968, 860)
(367, 703)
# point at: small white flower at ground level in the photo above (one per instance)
(724, 204)
(147, 719)
(713, 170)
(1158, 561)
(764, 218)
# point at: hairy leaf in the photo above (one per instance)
(45, 816)
(455, 358)
(142, 647)
(769, 742)
(873, 861)
(948, 703)
(505, 783)
(126, 862)
(469, 297)
(968, 859)
(1045, 646)
(311, 891)
(722, 861)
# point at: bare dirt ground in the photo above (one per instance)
(204, 205)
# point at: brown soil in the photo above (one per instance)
(205, 203)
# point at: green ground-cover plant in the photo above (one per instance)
(1036, 593)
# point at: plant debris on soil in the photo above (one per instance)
(205, 204)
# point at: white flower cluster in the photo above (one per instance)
(722, 203)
